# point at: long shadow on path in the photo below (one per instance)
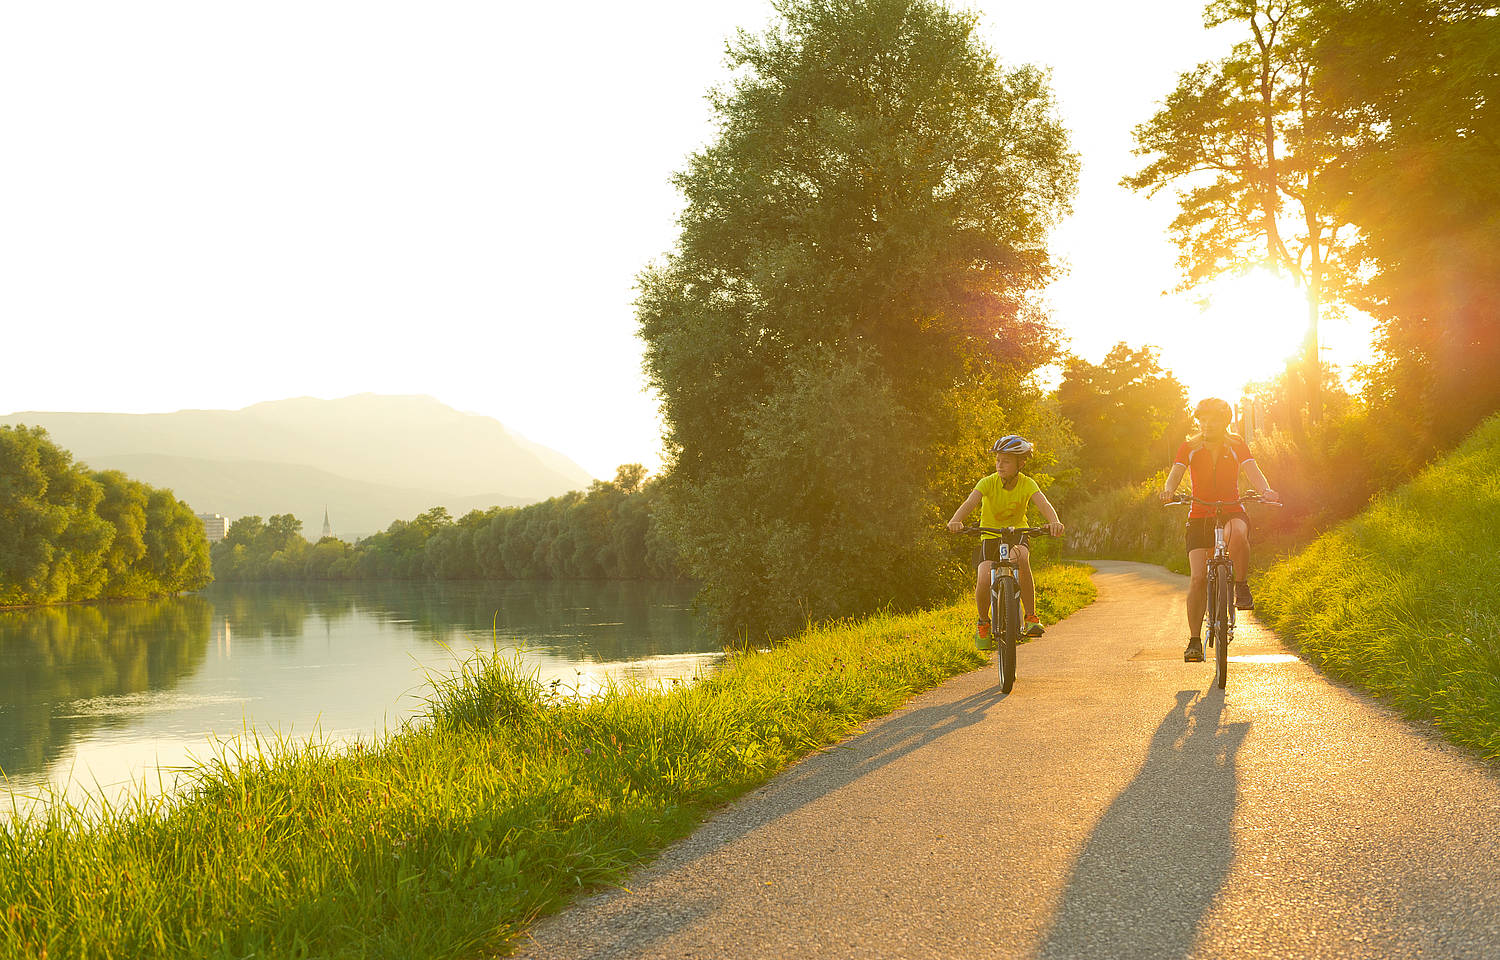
(1153, 867)
(837, 766)
(633, 932)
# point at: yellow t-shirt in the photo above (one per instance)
(1002, 507)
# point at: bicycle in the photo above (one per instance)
(1005, 596)
(1220, 607)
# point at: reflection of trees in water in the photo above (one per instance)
(594, 620)
(280, 612)
(54, 656)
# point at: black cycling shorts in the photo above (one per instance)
(1200, 531)
(989, 549)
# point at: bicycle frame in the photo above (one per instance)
(1219, 593)
(1005, 596)
(1003, 566)
(1220, 599)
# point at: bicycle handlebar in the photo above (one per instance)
(1009, 531)
(1249, 496)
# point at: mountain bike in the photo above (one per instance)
(1005, 596)
(1220, 609)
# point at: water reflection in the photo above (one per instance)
(60, 658)
(105, 695)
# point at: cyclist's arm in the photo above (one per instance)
(1174, 477)
(1045, 508)
(966, 508)
(1258, 480)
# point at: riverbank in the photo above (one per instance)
(449, 836)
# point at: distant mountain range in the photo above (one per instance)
(369, 458)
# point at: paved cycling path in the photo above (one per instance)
(1113, 806)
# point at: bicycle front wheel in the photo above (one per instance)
(1220, 588)
(1010, 634)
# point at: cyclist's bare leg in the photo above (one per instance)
(1023, 573)
(1239, 546)
(1197, 598)
(982, 590)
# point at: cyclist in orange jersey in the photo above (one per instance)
(1214, 459)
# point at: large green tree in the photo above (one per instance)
(846, 320)
(1247, 139)
(1419, 83)
(52, 540)
(1127, 412)
(67, 533)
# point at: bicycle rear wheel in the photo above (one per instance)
(1010, 634)
(1219, 589)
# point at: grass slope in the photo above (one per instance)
(446, 838)
(1404, 600)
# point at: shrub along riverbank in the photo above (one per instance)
(447, 837)
(1401, 600)
(68, 533)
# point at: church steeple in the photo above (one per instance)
(327, 527)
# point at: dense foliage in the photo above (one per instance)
(1417, 82)
(1246, 139)
(845, 323)
(1129, 415)
(1355, 143)
(69, 533)
(606, 532)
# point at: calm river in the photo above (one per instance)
(97, 697)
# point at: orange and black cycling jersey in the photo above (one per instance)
(1216, 475)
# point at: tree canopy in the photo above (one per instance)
(846, 320)
(606, 532)
(1248, 138)
(1354, 143)
(1418, 81)
(1128, 414)
(68, 533)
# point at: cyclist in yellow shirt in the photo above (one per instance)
(1003, 496)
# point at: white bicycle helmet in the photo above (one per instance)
(1013, 443)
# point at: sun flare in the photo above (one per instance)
(1270, 312)
(1250, 326)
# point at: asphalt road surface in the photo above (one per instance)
(1114, 805)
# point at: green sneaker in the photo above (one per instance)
(1032, 627)
(982, 635)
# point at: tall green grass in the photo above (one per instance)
(445, 838)
(1404, 599)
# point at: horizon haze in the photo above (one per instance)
(369, 458)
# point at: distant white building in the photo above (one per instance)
(214, 526)
(327, 527)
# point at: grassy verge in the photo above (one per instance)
(446, 838)
(1402, 600)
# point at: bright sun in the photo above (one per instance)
(1252, 324)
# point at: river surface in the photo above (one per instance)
(96, 698)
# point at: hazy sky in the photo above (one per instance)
(210, 205)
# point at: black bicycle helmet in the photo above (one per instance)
(1013, 443)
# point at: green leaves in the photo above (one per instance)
(1128, 412)
(69, 534)
(850, 289)
(1418, 83)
